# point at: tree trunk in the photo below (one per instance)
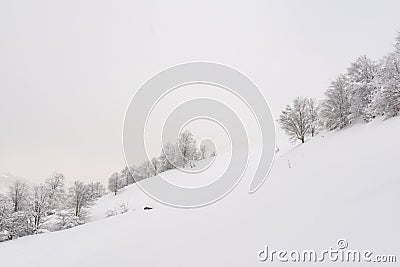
(77, 209)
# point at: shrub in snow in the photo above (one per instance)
(110, 213)
(120, 209)
(67, 219)
(20, 224)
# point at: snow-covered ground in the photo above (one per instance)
(342, 184)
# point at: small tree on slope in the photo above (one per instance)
(79, 198)
(296, 120)
(115, 182)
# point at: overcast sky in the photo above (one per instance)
(68, 69)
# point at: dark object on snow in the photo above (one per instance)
(147, 208)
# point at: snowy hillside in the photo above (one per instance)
(338, 185)
(128, 196)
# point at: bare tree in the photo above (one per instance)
(312, 110)
(79, 198)
(115, 182)
(156, 167)
(127, 176)
(295, 121)
(95, 190)
(18, 194)
(39, 204)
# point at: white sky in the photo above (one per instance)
(68, 69)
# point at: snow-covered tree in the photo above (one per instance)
(56, 187)
(361, 83)
(168, 157)
(313, 114)
(26, 211)
(127, 175)
(386, 100)
(397, 43)
(155, 166)
(19, 224)
(115, 182)
(18, 193)
(335, 108)
(137, 172)
(142, 171)
(178, 159)
(95, 190)
(196, 156)
(295, 121)
(39, 204)
(173, 155)
(187, 147)
(79, 198)
(6, 209)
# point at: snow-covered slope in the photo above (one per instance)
(339, 185)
